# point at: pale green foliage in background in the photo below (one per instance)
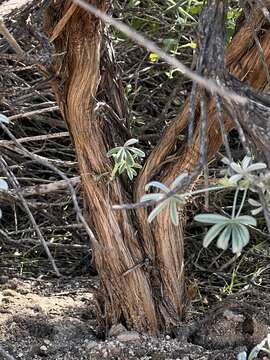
(126, 158)
(227, 228)
(234, 228)
(172, 202)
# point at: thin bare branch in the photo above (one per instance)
(10, 38)
(208, 84)
(36, 138)
(34, 112)
(63, 176)
(16, 187)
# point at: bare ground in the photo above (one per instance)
(55, 319)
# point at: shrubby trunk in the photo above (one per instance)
(149, 297)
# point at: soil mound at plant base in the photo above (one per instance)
(55, 319)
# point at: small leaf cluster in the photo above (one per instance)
(126, 158)
(234, 228)
(230, 229)
(172, 202)
(226, 229)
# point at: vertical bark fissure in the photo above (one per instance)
(128, 297)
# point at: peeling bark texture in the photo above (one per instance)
(148, 298)
(80, 36)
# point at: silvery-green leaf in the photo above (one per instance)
(174, 212)
(240, 237)
(226, 161)
(211, 218)
(236, 167)
(179, 198)
(256, 211)
(255, 351)
(247, 220)
(157, 210)
(257, 166)
(224, 237)
(1, 214)
(115, 169)
(136, 151)
(133, 171)
(131, 142)
(244, 234)
(130, 173)
(254, 202)
(212, 233)
(120, 156)
(129, 158)
(235, 178)
(137, 166)
(268, 341)
(246, 161)
(150, 197)
(178, 180)
(114, 151)
(158, 185)
(4, 119)
(122, 167)
(236, 240)
(3, 185)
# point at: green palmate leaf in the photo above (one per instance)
(131, 142)
(138, 166)
(174, 212)
(256, 211)
(120, 155)
(115, 169)
(246, 161)
(224, 237)
(137, 152)
(244, 234)
(254, 202)
(134, 171)
(247, 220)
(211, 218)
(129, 158)
(236, 167)
(150, 197)
(114, 151)
(178, 180)
(157, 185)
(212, 233)
(130, 173)
(240, 237)
(122, 166)
(3, 185)
(157, 210)
(235, 178)
(256, 166)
